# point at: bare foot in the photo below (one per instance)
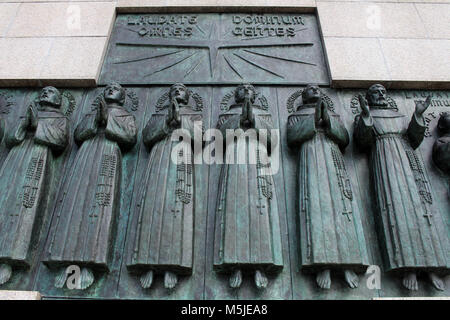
(261, 280)
(5, 273)
(351, 278)
(410, 281)
(323, 279)
(436, 281)
(87, 278)
(147, 279)
(170, 280)
(236, 279)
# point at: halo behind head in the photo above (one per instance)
(58, 96)
(187, 94)
(122, 91)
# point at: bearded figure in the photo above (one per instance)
(410, 226)
(41, 134)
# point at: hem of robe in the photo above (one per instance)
(248, 267)
(444, 270)
(138, 268)
(98, 266)
(15, 262)
(315, 267)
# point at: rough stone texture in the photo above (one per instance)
(214, 5)
(19, 295)
(61, 19)
(22, 60)
(356, 59)
(41, 1)
(400, 1)
(71, 61)
(436, 18)
(345, 19)
(410, 43)
(7, 14)
(75, 59)
(417, 59)
(403, 20)
(44, 43)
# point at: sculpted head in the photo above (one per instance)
(311, 94)
(245, 90)
(376, 96)
(50, 96)
(180, 92)
(114, 93)
(444, 123)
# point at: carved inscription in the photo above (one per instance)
(255, 26)
(164, 26)
(219, 48)
(439, 99)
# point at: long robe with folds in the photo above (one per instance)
(331, 233)
(165, 229)
(84, 227)
(410, 227)
(24, 177)
(247, 232)
(2, 128)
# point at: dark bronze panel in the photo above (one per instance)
(215, 49)
(205, 283)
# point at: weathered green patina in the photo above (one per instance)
(411, 233)
(25, 176)
(247, 234)
(86, 219)
(162, 217)
(164, 223)
(331, 233)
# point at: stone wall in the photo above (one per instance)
(402, 43)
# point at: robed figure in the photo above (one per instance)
(39, 136)
(409, 227)
(247, 234)
(441, 148)
(331, 233)
(85, 222)
(165, 229)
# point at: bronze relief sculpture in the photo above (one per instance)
(164, 238)
(84, 226)
(6, 102)
(331, 233)
(40, 135)
(441, 148)
(247, 234)
(407, 218)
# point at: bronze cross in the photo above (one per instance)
(428, 216)
(260, 207)
(348, 213)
